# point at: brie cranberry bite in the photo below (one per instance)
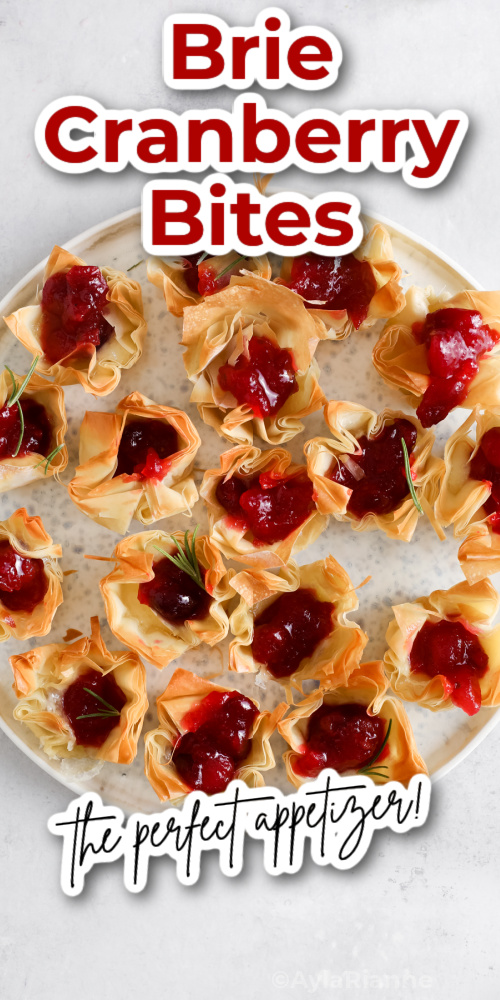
(349, 293)
(293, 625)
(32, 429)
(444, 352)
(81, 700)
(261, 506)
(87, 326)
(207, 736)
(374, 470)
(30, 577)
(186, 281)
(354, 728)
(136, 462)
(167, 594)
(442, 650)
(469, 497)
(249, 352)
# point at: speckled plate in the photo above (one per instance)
(398, 571)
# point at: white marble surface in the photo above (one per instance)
(421, 909)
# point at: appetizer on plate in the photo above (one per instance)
(261, 506)
(249, 352)
(442, 650)
(87, 326)
(376, 471)
(32, 429)
(30, 577)
(207, 735)
(186, 281)
(136, 462)
(81, 700)
(348, 293)
(443, 351)
(354, 728)
(293, 625)
(469, 497)
(167, 594)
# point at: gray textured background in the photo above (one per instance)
(422, 908)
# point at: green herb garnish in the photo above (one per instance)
(186, 560)
(106, 712)
(17, 391)
(135, 265)
(408, 477)
(230, 266)
(370, 769)
(48, 459)
(202, 258)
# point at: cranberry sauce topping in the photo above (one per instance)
(218, 737)
(335, 282)
(23, 583)
(485, 466)
(455, 340)
(98, 719)
(173, 594)
(37, 432)
(203, 278)
(290, 629)
(344, 737)
(378, 478)
(264, 380)
(72, 313)
(448, 649)
(271, 511)
(145, 449)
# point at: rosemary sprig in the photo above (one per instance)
(230, 266)
(135, 265)
(104, 713)
(202, 258)
(408, 477)
(17, 391)
(48, 459)
(370, 769)
(186, 560)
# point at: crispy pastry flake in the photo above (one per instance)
(178, 293)
(219, 330)
(114, 500)
(336, 656)
(138, 625)
(230, 534)
(367, 685)
(42, 675)
(387, 301)
(100, 373)
(183, 692)
(348, 422)
(473, 606)
(28, 537)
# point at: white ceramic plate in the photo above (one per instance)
(399, 571)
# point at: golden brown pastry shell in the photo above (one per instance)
(28, 536)
(26, 469)
(169, 277)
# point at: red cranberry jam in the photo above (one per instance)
(335, 283)
(263, 380)
(145, 449)
(377, 477)
(450, 650)
(455, 340)
(23, 583)
(203, 278)
(290, 629)
(485, 466)
(37, 432)
(270, 508)
(72, 313)
(91, 718)
(344, 737)
(218, 738)
(173, 594)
